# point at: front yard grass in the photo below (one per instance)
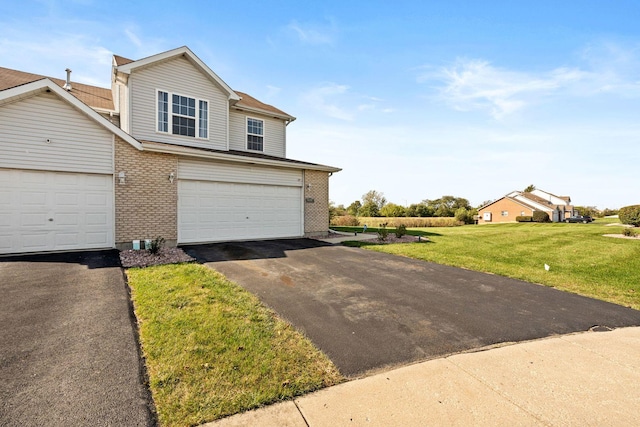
(212, 349)
(581, 259)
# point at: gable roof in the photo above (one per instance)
(128, 67)
(239, 100)
(95, 97)
(512, 199)
(249, 103)
(121, 60)
(102, 98)
(34, 87)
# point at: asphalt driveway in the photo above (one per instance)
(68, 354)
(369, 310)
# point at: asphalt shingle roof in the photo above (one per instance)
(93, 96)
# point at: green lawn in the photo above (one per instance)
(582, 260)
(212, 349)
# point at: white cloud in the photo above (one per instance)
(477, 84)
(339, 102)
(314, 34)
(474, 84)
(325, 99)
(273, 91)
(133, 37)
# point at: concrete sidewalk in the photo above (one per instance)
(586, 379)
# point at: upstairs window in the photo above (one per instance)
(255, 134)
(182, 117)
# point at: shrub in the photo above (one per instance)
(466, 215)
(629, 232)
(345, 220)
(525, 218)
(156, 245)
(630, 215)
(383, 233)
(401, 230)
(539, 216)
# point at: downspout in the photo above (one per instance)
(228, 115)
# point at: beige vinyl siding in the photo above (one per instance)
(77, 143)
(233, 172)
(177, 76)
(274, 133)
(125, 119)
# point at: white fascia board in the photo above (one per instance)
(30, 89)
(184, 50)
(193, 152)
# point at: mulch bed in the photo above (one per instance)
(144, 258)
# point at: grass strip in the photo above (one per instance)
(212, 349)
(581, 259)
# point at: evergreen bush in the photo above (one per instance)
(539, 216)
(630, 215)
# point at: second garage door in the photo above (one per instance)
(218, 211)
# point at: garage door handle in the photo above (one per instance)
(50, 219)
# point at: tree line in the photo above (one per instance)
(374, 204)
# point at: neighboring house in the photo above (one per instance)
(520, 203)
(169, 150)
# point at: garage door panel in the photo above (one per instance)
(100, 239)
(234, 211)
(47, 211)
(97, 219)
(66, 240)
(34, 241)
(33, 219)
(66, 219)
(33, 198)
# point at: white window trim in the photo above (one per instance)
(170, 121)
(246, 133)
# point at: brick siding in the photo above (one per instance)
(513, 210)
(316, 214)
(146, 205)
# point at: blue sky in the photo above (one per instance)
(415, 99)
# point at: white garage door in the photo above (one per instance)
(217, 211)
(51, 211)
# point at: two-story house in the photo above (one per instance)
(169, 150)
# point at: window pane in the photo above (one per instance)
(203, 124)
(254, 126)
(184, 126)
(163, 110)
(176, 104)
(254, 142)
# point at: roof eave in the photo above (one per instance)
(264, 112)
(181, 150)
